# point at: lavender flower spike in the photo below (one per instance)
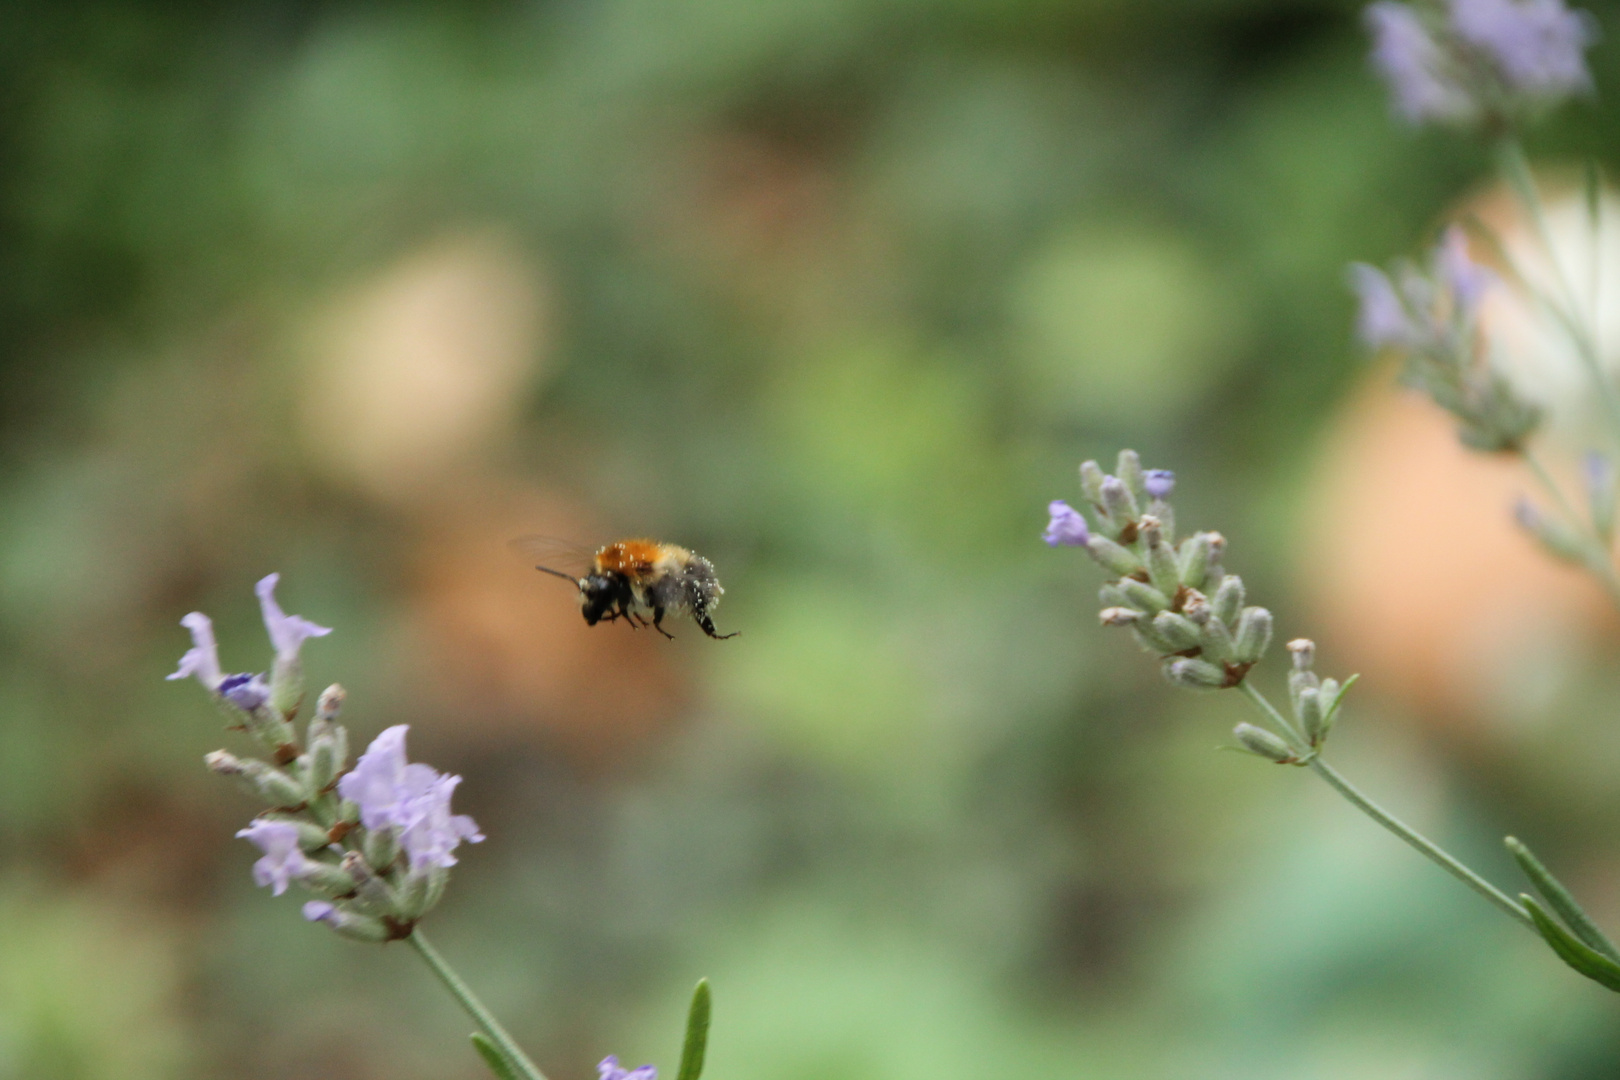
(202, 659)
(609, 1069)
(1159, 482)
(282, 861)
(287, 632)
(1067, 527)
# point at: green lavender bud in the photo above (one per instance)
(328, 753)
(1217, 550)
(1118, 502)
(1091, 482)
(1310, 713)
(1111, 596)
(1120, 616)
(327, 879)
(1298, 683)
(1217, 641)
(381, 848)
(1112, 557)
(1253, 635)
(1180, 631)
(1143, 596)
(1228, 600)
(1194, 559)
(258, 778)
(1329, 695)
(1162, 567)
(1194, 674)
(349, 923)
(420, 891)
(330, 703)
(372, 894)
(1258, 740)
(1303, 652)
(1129, 470)
(1151, 640)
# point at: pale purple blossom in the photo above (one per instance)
(412, 798)
(610, 1069)
(283, 859)
(1417, 69)
(1381, 320)
(1537, 46)
(319, 911)
(1159, 482)
(1067, 527)
(202, 659)
(287, 632)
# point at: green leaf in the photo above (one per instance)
(1559, 899)
(1577, 954)
(493, 1057)
(1338, 699)
(697, 1034)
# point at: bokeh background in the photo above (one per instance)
(837, 293)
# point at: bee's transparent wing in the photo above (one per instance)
(554, 555)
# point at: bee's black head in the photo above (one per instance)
(600, 595)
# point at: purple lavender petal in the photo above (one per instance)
(1414, 65)
(1159, 482)
(1067, 527)
(610, 1069)
(246, 692)
(319, 911)
(435, 833)
(1463, 277)
(376, 780)
(411, 797)
(283, 860)
(287, 632)
(1381, 321)
(202, 659)
(1539, 46)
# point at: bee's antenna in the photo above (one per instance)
(558, 573)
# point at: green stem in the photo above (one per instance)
(1597, 556)
(475, 1008)
(1423, 844)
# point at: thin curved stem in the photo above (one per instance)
(475, 1008)
(1597, 556)
(1434, 852)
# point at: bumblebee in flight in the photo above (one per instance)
(630, 577)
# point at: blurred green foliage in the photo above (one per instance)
(839, 294)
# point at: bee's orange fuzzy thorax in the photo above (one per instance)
(632, 558)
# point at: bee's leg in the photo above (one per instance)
(657, 623)
(707, 624)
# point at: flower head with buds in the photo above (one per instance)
(375, 843)
(1430, 317)
(1206, 642)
